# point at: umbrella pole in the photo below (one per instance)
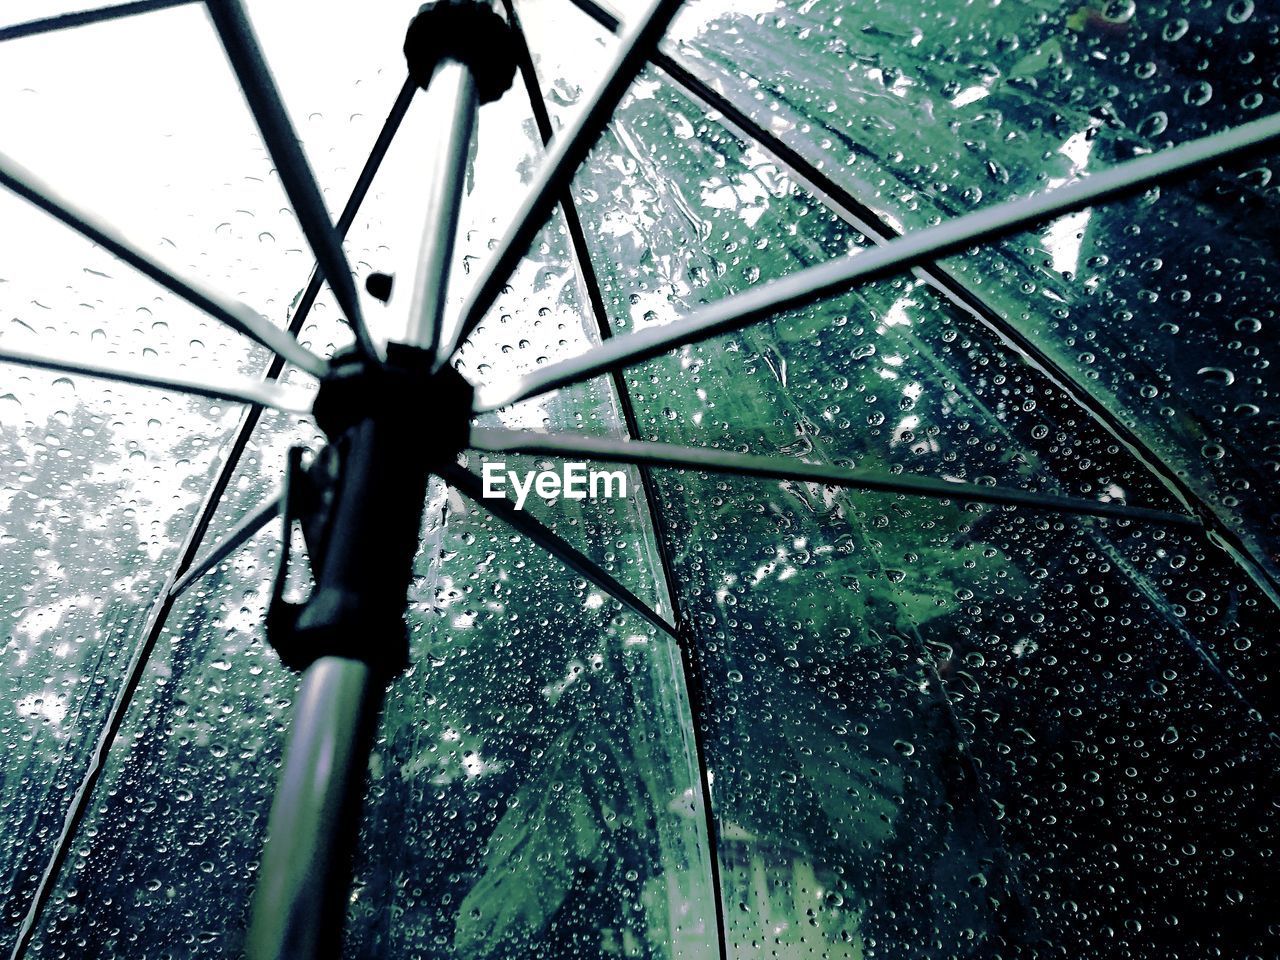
(298, 904)
(305, 877)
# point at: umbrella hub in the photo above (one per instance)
(430, 410)
(474, 32)
(359, 504)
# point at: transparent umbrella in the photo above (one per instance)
(798, 479)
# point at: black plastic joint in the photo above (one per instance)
(473, 32)
(402, 392)
(337, 623)
(359, 503)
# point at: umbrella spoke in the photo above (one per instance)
(606, 18)
(243, 532)
(358, 192)
(896, 256)
(295, 173)
(784, 468)
(80, 18)
(254, 392)
(234, 314)
(568, 151)
(528, 526)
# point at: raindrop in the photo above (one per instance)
(1119, 11)
(564, 93)
(1175, 29)
(1154, 125)
(1198, 94)
(1240, 11)
(1220, 376)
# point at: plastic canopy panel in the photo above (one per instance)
(1158, 307)
(801, 720)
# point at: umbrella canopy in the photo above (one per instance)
(930, 340)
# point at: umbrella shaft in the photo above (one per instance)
(300, 900)
(453, 93)
(364, 564)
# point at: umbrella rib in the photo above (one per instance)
(80, 18)
(568, 151)
(684, 644)
(234, 314)
(897, 256)
(783, 468)
(299, 182)
(606, 18)
(243, 531)
(199, 526)
(529, 526)
(253, 392)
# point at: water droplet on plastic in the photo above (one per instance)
(1240, 11)
(1119, 11)
(1198, 94)
(1220, 376)
(1154, 125)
